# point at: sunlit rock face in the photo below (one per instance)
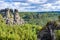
(9, 16)
(12, 17)
(17, 19)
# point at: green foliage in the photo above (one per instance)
(18, 32)
(26, 31)
(57, 34)
(38, 18)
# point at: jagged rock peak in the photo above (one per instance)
(12, 16)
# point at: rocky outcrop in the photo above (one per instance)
(48, 32)
(12, 17)
(9, 17)
(17, 18)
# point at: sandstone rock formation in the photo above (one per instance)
(17, 18)
(11, 17)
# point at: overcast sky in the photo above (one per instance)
(31, 5)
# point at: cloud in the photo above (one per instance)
(37, 1)
(17, 5)
(51, 6)
(3, 5)
(31, 5)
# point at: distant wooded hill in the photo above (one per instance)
(39, 18)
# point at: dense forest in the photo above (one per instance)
(39, 18)
(33, 21)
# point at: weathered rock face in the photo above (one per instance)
(9, 17)
(17, 19)
(12, 17)
(44, 34)
(48, 32)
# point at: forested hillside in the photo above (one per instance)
(18, 32)
(39, 18)
(34, 23)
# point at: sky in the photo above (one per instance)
(31, 5)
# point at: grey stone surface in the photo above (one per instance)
(11, 17)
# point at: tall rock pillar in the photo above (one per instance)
(17, 18)
(9, 17)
